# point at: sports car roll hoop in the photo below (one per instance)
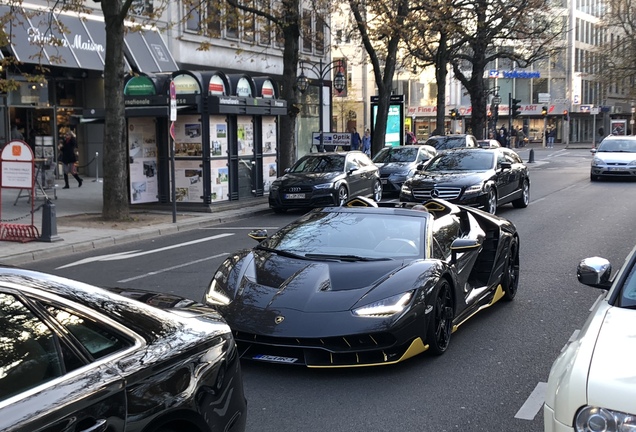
(365, 284)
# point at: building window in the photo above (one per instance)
(307, 30)
(249, 23)
(320, 35)
(264, 27)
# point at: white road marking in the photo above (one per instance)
(533, 404)
(136, 253)
(172, 268)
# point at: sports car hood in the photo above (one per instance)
(273, 281)
(612, 375)
(457, 178)
(298, 179)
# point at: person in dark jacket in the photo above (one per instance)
(68, 158)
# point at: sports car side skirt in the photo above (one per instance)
(499, 293)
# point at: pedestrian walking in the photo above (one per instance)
(68, 156)
(366, 143)
(355, 139)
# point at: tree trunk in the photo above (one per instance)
(287, 144)
(115, 194)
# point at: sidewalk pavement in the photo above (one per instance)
(77, 231)
(75, 213)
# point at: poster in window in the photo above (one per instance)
(245, 136)
(219, 175)
(218, 136)
(270, 136)
(142, 158)
(187, 136)
(269, 172)
(188, 181)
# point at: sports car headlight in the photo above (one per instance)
(215, 296)
(477, 188)
(385, 308)
(323, 186)
(594, 419)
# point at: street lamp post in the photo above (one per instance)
(321, 70)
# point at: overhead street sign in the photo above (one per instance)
(496, 100)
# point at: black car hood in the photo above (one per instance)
(310, 286)
(457, 178)
(296, 179)
(394, 166)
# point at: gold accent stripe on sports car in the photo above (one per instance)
(499, 293)
(416, 347)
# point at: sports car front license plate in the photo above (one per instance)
(295, 196)
(276, 359)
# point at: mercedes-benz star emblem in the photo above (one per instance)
(435, 193)
(279, 319)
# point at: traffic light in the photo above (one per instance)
(544, 111)
(566, 115)
(454, 113)
(515, 108)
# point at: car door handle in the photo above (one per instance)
(100, 426)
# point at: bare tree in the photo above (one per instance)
(382, 26)
(618, 56)
(523, 31)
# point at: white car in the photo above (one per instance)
(614, 157)
(592, 385)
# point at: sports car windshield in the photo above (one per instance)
(624, 146)
(320, 164)
(396, 154)
(462, 161)
(351, 236)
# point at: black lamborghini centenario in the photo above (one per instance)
(365, 284)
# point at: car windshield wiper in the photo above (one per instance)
(351, 258)
(280, 252)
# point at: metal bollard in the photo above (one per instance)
(97, 168)
(531, 158)
(49, 223)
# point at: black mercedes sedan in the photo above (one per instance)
(325, 179)
(476, 177)
(75, 357)
(400, 163)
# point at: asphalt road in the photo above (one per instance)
(492, 377)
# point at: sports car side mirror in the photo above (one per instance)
(258, 234)
(460, 245)
(505, 165)
(595, 272)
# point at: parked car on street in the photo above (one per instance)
(400, 163)
(591, 383)
(615, 156)
(488, 143)
(75, 357)
(482, 178)
(325, 179)
(445, 142)
(365, 284)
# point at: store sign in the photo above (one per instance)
(35, 36)
(243, 88)
(186, 84)
(216, 86)
(140, 86)
(268, 89)
(16, 159)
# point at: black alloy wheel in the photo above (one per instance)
(441, 323)
(510, 278)
(343, 194)
(377, 191)
(524, 199)
(491, 203)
